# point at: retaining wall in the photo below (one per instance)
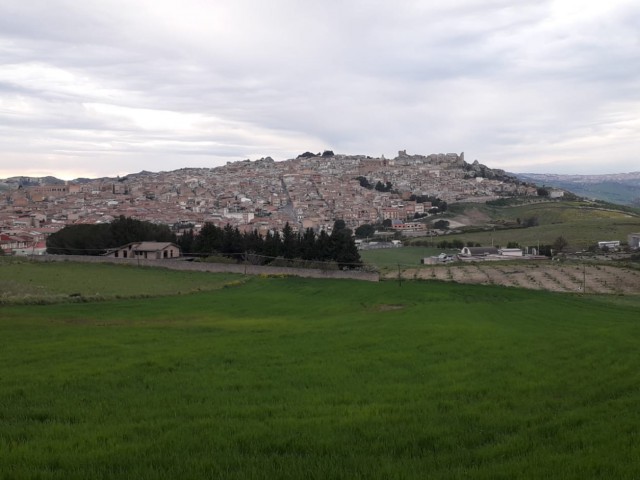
(216, 267)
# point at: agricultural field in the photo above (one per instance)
(389, 258)
(537, 275)
(22, 281)
(304, 378)
(605, 277)
(580, 224)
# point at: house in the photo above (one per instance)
(511, 252)
(9, 243)
(634, 240)
(408, 226)
(436, 259)
(609, 245)
(146, 250)
(37, 248)
(479, 251)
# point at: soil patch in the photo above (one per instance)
(596, 279)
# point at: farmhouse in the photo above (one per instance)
(634, 240)
(434, 260)
(609, 245)
(471, 254)
(511, 252)
(146, 250)
(408, 226)
(479, 251)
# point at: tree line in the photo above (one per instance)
(338, 247)
(97, 239)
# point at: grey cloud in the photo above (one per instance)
(504, 84)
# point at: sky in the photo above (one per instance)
(109, 87)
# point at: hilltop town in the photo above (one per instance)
(310, 191)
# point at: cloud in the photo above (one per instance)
(107, 88)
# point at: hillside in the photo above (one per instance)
(581, 223)
(310, 191)
(623, 188)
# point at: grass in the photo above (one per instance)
(579, 234)
(269, 379)
(22, 281)
(389, 258)
(582, 224)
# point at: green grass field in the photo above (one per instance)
(580, 224)
(301, 378)
(389, 258)
(23, 281)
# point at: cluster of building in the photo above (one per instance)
(311, 191)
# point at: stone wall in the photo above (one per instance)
(217, 267)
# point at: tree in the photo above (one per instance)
(339, 225)
(97, 239)
(308, 245)
(365, 231)
(441, 224)
(253, 243)
(323, 247)
(364, 183)
(273, 245)
(343, 248)
(186, 241)
(381, 187)
(289, 242)
(209, 240)
(560, 244)
(231, 242)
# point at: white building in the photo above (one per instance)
(511, 252)
(609, 245)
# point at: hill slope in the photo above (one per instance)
(623, 188)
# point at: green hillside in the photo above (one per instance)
(620, 189)
(300, 378)
(583, 224)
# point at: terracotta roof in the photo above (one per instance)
(151, 246)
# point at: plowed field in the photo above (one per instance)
(539, 276)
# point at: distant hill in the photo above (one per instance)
(32, 181)
(23, 181)
(621, 188)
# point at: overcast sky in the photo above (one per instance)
(107, 87)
